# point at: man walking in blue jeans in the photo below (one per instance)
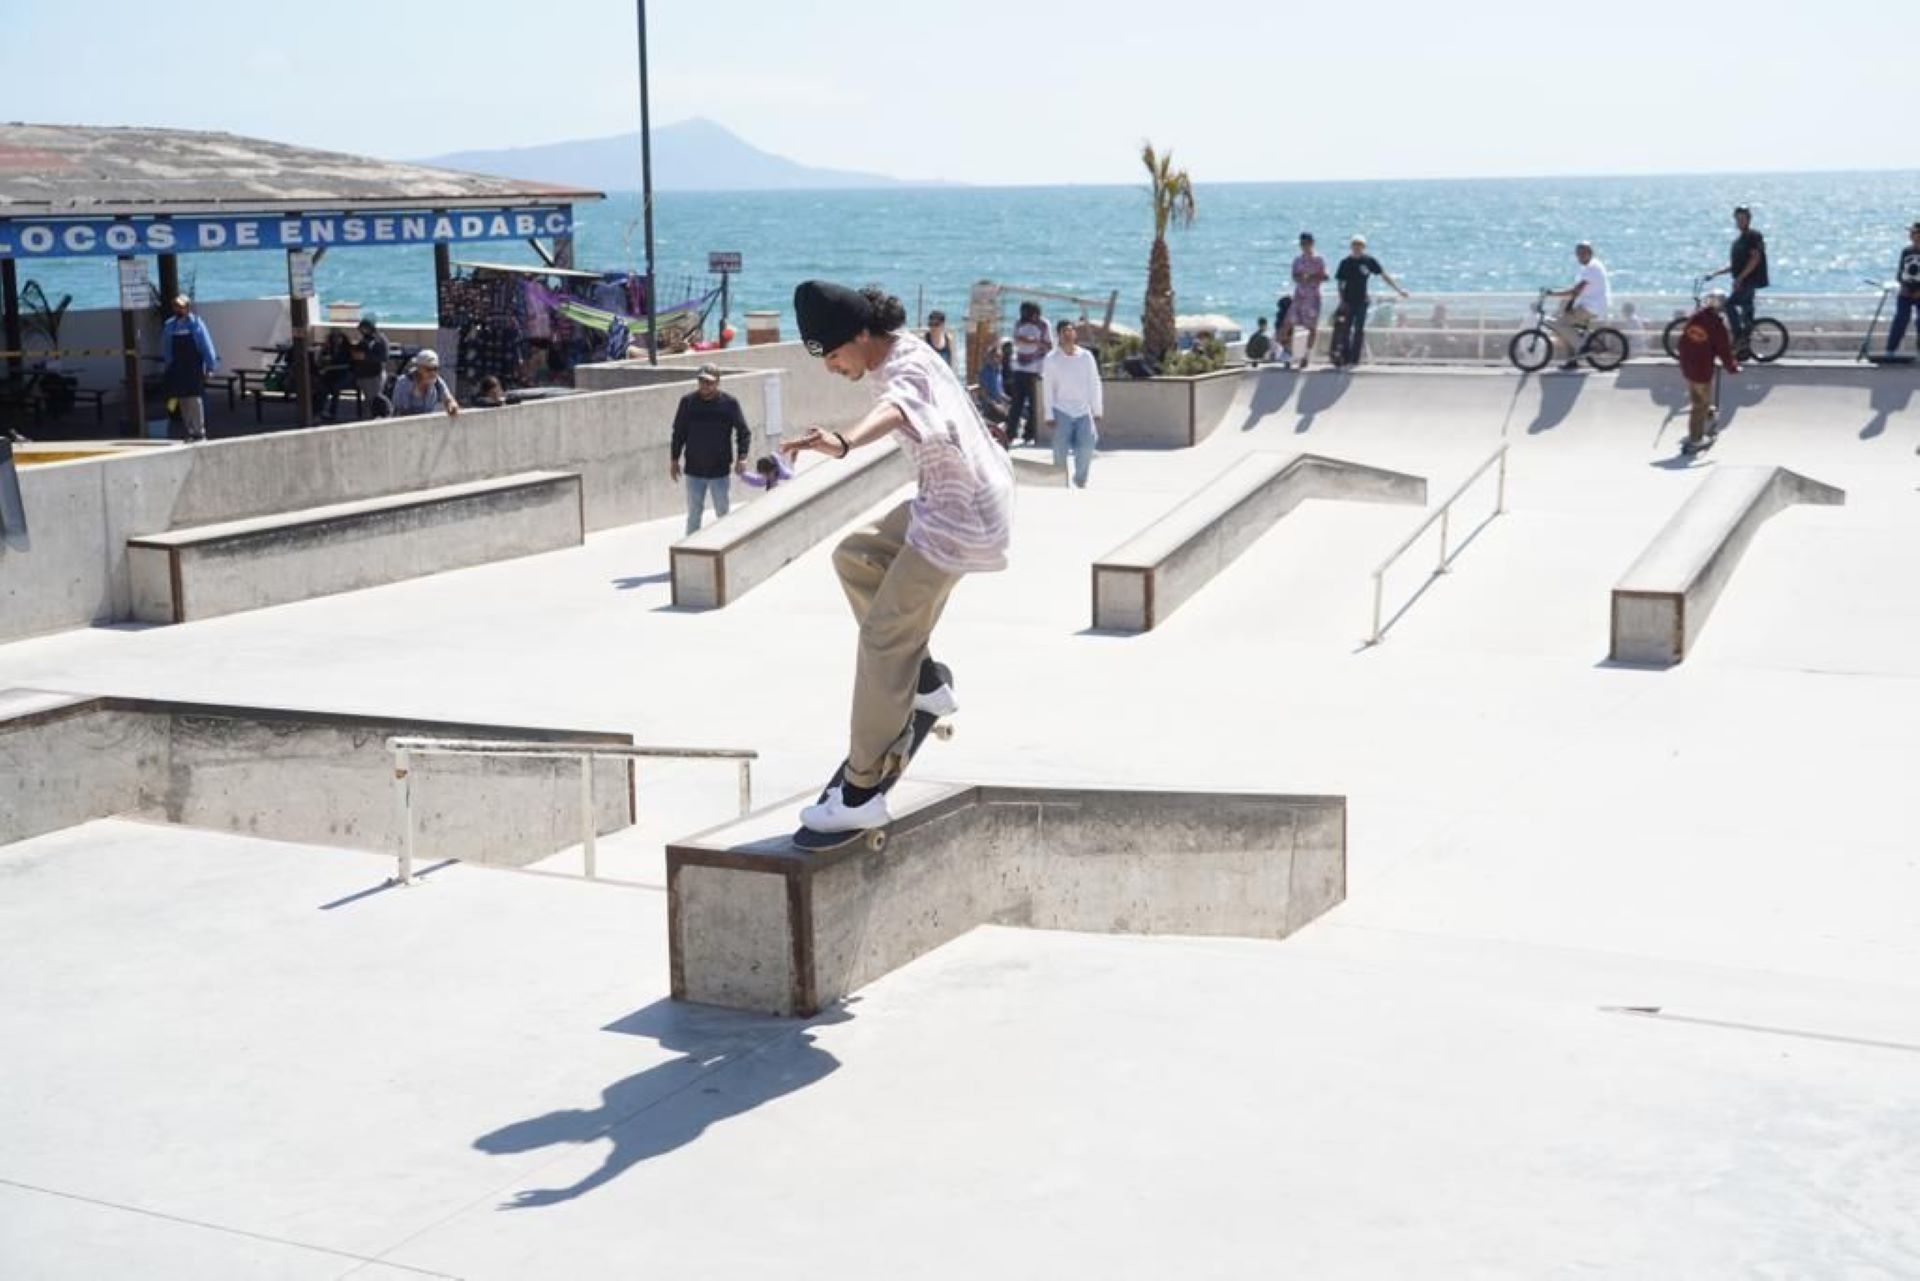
(1747, 266)
(712, 433)
(1074, 402)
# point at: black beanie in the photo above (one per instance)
(830, 315)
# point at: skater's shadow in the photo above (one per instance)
(1272, 389)
(730, 1064)
(1889, 397)
(1558, 395)
(1318, 393)
(641, 580)
(1681, 462)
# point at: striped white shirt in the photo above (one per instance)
(962, 518)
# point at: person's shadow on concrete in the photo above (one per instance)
(1558, 395)
(1318, 393)
(731, 1064)
(1888, 397)
(1272, 389)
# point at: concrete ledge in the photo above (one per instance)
(755, 924)
(210, 570)
(1664, 600)
(1139, 584)
(1165, 412)
(729, 557)
(290, 775)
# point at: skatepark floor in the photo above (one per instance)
(1625, 984)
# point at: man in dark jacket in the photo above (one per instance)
(1747, 267)
(1702, 342)
(712, 434)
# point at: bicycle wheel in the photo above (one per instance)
(1605, 349)
(1530, 350)
(1670, 340)
(1767, 340)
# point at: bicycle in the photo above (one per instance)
(1601, 346)
(1765, 341)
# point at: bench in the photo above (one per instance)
(210, 570)
(1662, 603)
(725, 559)
(754, 924)
(1138, 584)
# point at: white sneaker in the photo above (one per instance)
(835, 815)
(941, 702)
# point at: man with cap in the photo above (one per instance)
(711, 433)
(370, 352)
(1586, 305)
(187, 348)
(1350, 323)
(899, 571)
(421, 390)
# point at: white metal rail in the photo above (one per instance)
(405, 748)
(1444, 516)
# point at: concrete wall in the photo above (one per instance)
(287, 775)
(755, 925)
(1164, 413)
(71, 569)
(812, 396)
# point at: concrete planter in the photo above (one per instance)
(1164, 413)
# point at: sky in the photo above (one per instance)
(1004, 92)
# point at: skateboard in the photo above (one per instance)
(1690, 450)
(919, 728)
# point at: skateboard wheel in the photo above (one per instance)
(943, 731)
(877, 839)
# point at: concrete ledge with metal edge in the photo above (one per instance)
(724, 560)
(318, 777)
(209, 570)
(755, 924)
(1664, 600)
(1138, 584)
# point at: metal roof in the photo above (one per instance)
(82, 170)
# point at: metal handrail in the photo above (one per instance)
(1443, 514)
(406, 747)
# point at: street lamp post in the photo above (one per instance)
(646, 189)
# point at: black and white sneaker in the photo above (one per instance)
(934, 693)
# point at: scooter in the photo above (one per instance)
(1887, 289)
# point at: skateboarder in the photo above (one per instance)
(1702, 342)
(898, 572)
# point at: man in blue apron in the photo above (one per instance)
(187, 348)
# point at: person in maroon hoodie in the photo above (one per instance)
(1702, 342)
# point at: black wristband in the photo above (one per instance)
(845, 448)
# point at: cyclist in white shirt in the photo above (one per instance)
(1586, 303)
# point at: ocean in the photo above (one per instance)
(1825, 233)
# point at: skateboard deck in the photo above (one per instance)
(919, 728)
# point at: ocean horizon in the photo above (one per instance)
(1826, 233)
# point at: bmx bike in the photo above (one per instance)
(1532, 348)
(1765, 341)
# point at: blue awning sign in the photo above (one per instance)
(197, 234)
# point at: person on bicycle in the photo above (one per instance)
(1702, 342)
(1747, 265)
(1586, 304)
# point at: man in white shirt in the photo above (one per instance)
(1586, 303)
(1074, 404)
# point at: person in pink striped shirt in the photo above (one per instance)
(899, 571)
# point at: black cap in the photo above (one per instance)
(1742, 209)
(829, 315)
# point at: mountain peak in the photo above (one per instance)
(695, 154)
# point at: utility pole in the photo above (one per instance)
(646, 190)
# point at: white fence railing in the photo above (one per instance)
(1444, 514)
(404, 749)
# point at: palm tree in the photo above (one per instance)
(1172, 192)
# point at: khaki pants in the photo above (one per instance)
(897, 596)
(1570, 327)
(1699, 409)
